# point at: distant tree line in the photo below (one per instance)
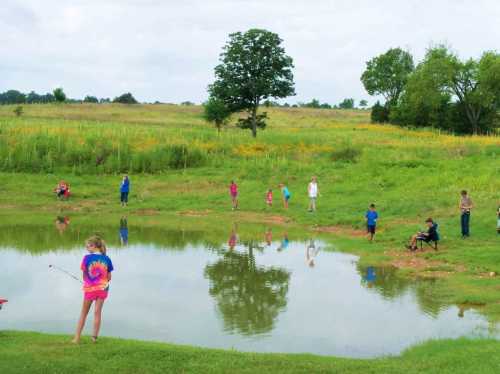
(58, 95)
(441, 91)
(348, 103)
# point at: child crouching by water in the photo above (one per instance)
(96, 268)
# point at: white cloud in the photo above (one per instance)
(166, 50)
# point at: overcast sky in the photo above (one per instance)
(166, 50)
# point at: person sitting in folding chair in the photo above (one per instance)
(431, 236)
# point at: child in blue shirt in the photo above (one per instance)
(371, 221)
(286, 194)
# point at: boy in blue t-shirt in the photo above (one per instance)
(371, 221)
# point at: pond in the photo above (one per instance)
(274, 293)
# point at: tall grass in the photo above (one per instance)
(97, 139)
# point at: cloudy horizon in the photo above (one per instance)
(166, 50)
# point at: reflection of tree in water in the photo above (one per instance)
(431, 294)
(248, 296)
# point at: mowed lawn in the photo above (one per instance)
(39, 353)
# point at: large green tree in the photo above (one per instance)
(253, 67)
(59, 95)
(387, 74)
(445, 92)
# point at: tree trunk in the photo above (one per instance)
(473, 116)
(254, 121)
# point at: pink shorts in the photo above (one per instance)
(94, 295)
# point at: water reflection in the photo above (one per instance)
(123, 232)
(430, 295)
(62, 223)
(233, 237)
(284, 242)
(249, 296)
(311, 253)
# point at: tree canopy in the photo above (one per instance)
(91, 99)
(387, 74)
(347, 104)
(445, 92)
(216, 111)
(125, 98)
(253, 67)
(59, 95)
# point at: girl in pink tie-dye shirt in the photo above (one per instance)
(96, 269)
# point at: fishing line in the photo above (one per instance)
(66, 272)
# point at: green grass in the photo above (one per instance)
(39, 353)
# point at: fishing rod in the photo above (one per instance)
(66, 272)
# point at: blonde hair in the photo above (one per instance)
(97, 242)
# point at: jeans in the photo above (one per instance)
(124, 197)
(464, 220)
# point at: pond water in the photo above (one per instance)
(275, 293)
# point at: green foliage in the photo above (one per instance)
(254, 67)
(18, 111)
(363, 103)
(125, 98)
(447, 93)
(91, 99)
(347, 104)
(59, 95)
(387, 74)
(12, 97)
(250, 123)
(379, 113)
(216, 111)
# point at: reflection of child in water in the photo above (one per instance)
(62, 223)
(233, 239)
(370, 276)
(311, 253)
(124, 230)
(269, 236)
(284, 242)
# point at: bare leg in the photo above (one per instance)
(81, 322)
(414, 240)
(97, 318)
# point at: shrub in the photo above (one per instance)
(346, 153)
(380, 113)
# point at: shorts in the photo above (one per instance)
(94, 295)
(287, 197)
(234, 195)
(371, 229)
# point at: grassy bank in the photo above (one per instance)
(181, 167)
(38, 353)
